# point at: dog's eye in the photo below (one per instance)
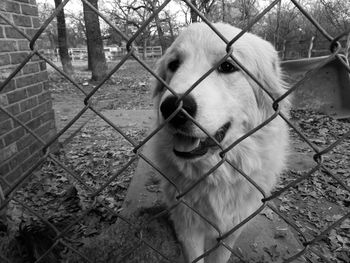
(227, 67)
(174, 65)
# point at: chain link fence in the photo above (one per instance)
(61, 237)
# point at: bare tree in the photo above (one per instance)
(153, 7)
(76, 29)
(49, 36)
(284, 25)
(223, 6)
(185, 11)
(62, 41)
(248, 10)
(194, 15)
(278, 20)
(237, 12)
(96, 57)
(169, 18)
(204, 6)
(131, 14)
(335, 13)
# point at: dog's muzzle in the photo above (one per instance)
(188, 147)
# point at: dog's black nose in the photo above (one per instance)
(170, 104)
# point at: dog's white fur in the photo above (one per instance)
(225, 198)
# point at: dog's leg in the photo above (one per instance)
(192, 241)
(221, 254)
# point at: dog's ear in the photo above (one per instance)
(269, 74)
(276, 84)
(158, 86)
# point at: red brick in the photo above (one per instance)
(44, 97)
(9, 86)
(8, 153)
(8, 16)
(53, 124)
(12, 7)
(16, 95)
(35, 146)
(19, 158)
(29, 10)
(31, 32)
(43, 129)
(5, 72)
(42, 65)
(22, 1)
(35, 58)
(40, 44)
(13, 176)
(40, 109)
(48, 136)
(43, 76)
(36, 22)
(35, 89)
(3, 100)
(20, 20)
(31, 161)
(23, 45)
(13, 109)
(18, 57)
(28, 104)
(23, 117)
(4, 169)
(47, 116)
(5, 187)
(14, 135)
(49, 104)
(2, 6)
(46, 85)
(8, 45)
(4, 59)
(10, 32)
(3, 116)
(30, 68)
(34, 123)
(2, 35)
(31, 79)
(5, 127)
(24, 141)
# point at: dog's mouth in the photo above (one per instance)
(189, 147)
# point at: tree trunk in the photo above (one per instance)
(171, 30)
(276, 38)
(159, 28)
(223, 11)
(62, 41)
(160, 33)
(96, 56)
(194, 15)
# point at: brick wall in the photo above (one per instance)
(26, 96)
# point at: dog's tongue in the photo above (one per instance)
(189, 147)
(185, 144)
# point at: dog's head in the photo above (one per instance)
(227, 101)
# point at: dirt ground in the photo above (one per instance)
(99, 154)
(128, 89)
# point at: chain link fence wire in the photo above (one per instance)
(62, 236)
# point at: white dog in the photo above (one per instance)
(226, 104)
